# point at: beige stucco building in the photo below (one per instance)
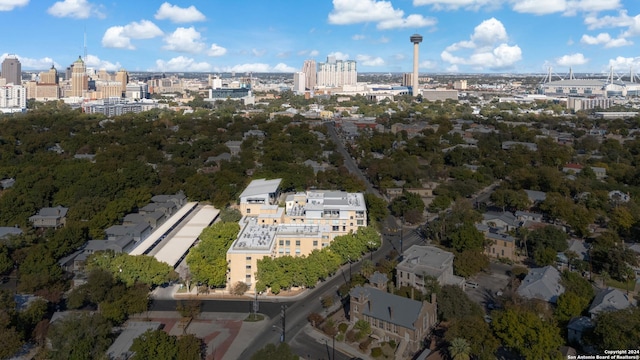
(308, 220)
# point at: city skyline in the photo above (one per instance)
(460, 36)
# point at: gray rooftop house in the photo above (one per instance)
(609, 300)
(168, 208)
(6, 231)
(393, 317)
(179, 199)
(508, 145)
(7, 183)
(421, 261)
(536, 196)
(154, 219)
(504, 221)
(137, 232)
(50, 217)
(542, 284)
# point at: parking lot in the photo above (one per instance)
(489, 284)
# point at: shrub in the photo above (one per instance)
(340, 337)
(329, 327)
(365, 344)
(343, 327)
(327, 301)
(376, 352)
(315, 319)
(392, 343)
(239, 288)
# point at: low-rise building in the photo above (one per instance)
(393, 317)
(50, 217)
(609, 300)
(542, 284)
(419, 262)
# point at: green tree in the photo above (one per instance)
(569, 305)
(618, 329)
(131, 269)
(527, 333)
(459, 349)
(191, 347)
(477, 333)
(281, 351)
(453, 304)
(207, 261)
(376, 208)
(154, 344)
(80, 336)
(6, 263)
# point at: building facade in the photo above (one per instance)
(13, 98)
(308, 221)
(393, 317)
(420, 262)
(79, 79)
(299, 82)
(12, 70)
(309, 68)
(335, 73)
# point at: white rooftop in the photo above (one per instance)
(261, 187)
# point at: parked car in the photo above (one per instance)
(472, 284)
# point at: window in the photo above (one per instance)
(297, 242)
(288, 242)
(248, 211)
(350, 224)
(248, 258)
(315, 243)
(355, 307)
(360, 222)
(248, 267)
(335, 228)
(248, 279)
(281, 242)
(344, 228)
(502, 252)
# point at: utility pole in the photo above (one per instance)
(283, 316)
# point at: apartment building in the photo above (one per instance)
(308, 220)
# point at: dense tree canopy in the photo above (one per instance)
(207, 260)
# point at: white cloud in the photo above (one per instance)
(8, 5)
(216, 50)
(606, 40)
(572, 60)
(458, 4)
(368, 60)
(428, 64)
(96, 63)
(181, 63)
(314, 53)
(384, 40)
(120, 36)
(258, 52)
(339, 55)
(453, 69)
(624, 64)
(399, 56)
(591, 6)
(33, 64)
(184, 40)
(347, 12)
(280, 67)
(539, 7)
(79, 9)
(309, 53)
(357, 37)
(487, 48)
(179, 15)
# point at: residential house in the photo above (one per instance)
(77, 260)
(577, 328)
(501, 221)
(542, 284)
(7, 183)
(7, 231)
(609, 300)
(418, 262)
(50, 217)
(393, 317)
(168, 208)
(179, 199)
(137, 232)
(536, 197)
(500, 245)
(154, 219)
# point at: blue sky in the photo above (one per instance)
(460, 36)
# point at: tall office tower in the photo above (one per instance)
(79, 79)
(49, 77)
(215, 81)
(310, 71)
(13, 98)
(406, 79)
(416, 40)
(12, 70)
(122, 76)
(103, 75)
(337, 72)
(298, 82)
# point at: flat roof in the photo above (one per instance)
(183, 240)
(254, 236)
(261, 187)
(163, 229)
